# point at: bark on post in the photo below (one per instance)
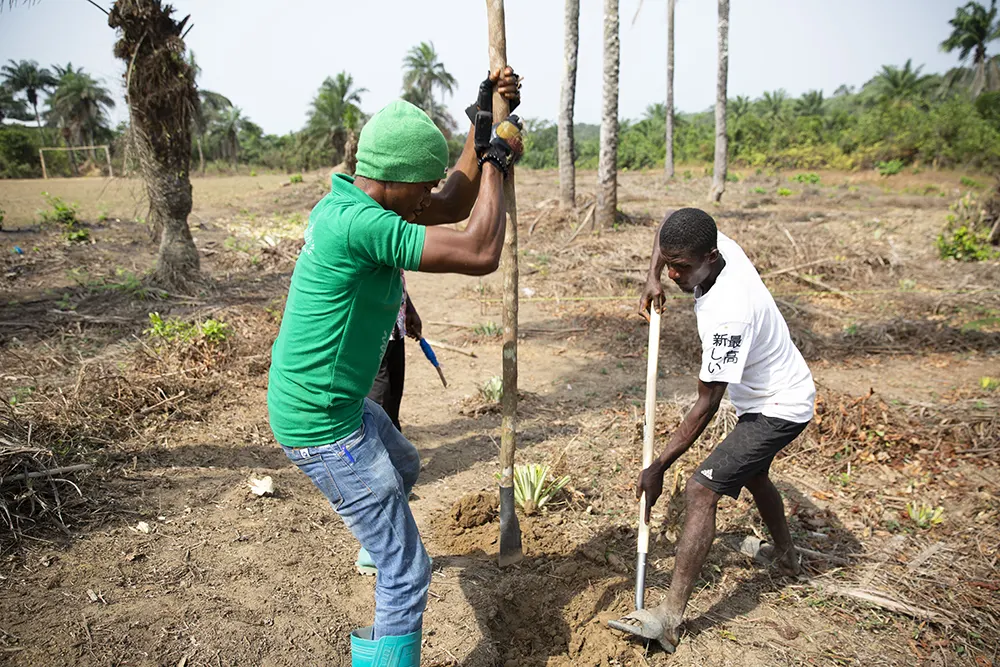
(668, 162)
(567, 155)
(510, 539)
(721, 142)
(607, 168)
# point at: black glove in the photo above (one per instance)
(480, 114)
(506, 145)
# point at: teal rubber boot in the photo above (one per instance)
(390, 651)
(365, 564)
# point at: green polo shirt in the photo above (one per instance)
(342, 303)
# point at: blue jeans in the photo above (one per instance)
(367, 478)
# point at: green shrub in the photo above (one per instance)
(784, 192)
(175, 330)
(964, 245)
(970, 183)
(63, 214)
(492, 389)
(295, 178)
(890, 168)
(810, 178)
(759, 190)
(966, 234)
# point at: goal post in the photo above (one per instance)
(107, 154)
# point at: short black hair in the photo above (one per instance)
(689, 230)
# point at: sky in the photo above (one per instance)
(270, 57)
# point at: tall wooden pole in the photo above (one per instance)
(721, 140)
(668, 163)
(510, 531)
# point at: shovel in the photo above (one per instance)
(648, 430)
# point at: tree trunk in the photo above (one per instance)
(72, 154)
(567, 156)
(201, 157)
(169, 205)
(38, 119)
(607, 167)
(351, 152)
(721, 142)
(668, 162)
(160, 92)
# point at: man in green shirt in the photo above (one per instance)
(342, 303)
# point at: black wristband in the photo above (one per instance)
(496, 161)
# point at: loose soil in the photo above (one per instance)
(161, 555)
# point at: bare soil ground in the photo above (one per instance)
(160, 555)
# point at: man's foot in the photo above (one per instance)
(765, 553)
(654, 623)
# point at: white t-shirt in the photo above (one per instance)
(745, 342)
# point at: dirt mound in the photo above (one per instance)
(475, 509)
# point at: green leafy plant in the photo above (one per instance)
(175, 330)
(890, 168)
(489, 329)
(809, 178)
(989, 383)
(784, 192)
(732, 177)
(759, 190)
(2, 212)
(63, 214)
(103, 215)
(925, 515)
(253, 173)
(970, 183)
(492, 389)
(170, 330)
(534, 487)
(295, 178)
(964, 245)
(966, 233)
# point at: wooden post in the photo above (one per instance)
(41, 156)
(510, 534)
(107, 154)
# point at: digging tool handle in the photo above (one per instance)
(510, 531)
(649, 423)
(648, 433)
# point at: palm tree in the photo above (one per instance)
(27, 77)
(226, 125)
(973, 28)
(739, 106)
(162, 97)
(900, 84)
(10, 106)
(423, 70)
(422, 73)
(335, 113)
(810, 104)
(80, 103)
(721, 140)
(567, 98)
(773, 104)
(607, 165)
(210, 105)
(668, 160)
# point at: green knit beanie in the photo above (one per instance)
(401, 143)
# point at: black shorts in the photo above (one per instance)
(746, 452)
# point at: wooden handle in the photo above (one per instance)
(649, 423)
(508, 403)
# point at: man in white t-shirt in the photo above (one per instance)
(746, 348)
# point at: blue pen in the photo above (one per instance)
(347, 454)
(431, 357)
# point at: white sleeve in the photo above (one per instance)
(724, 352)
